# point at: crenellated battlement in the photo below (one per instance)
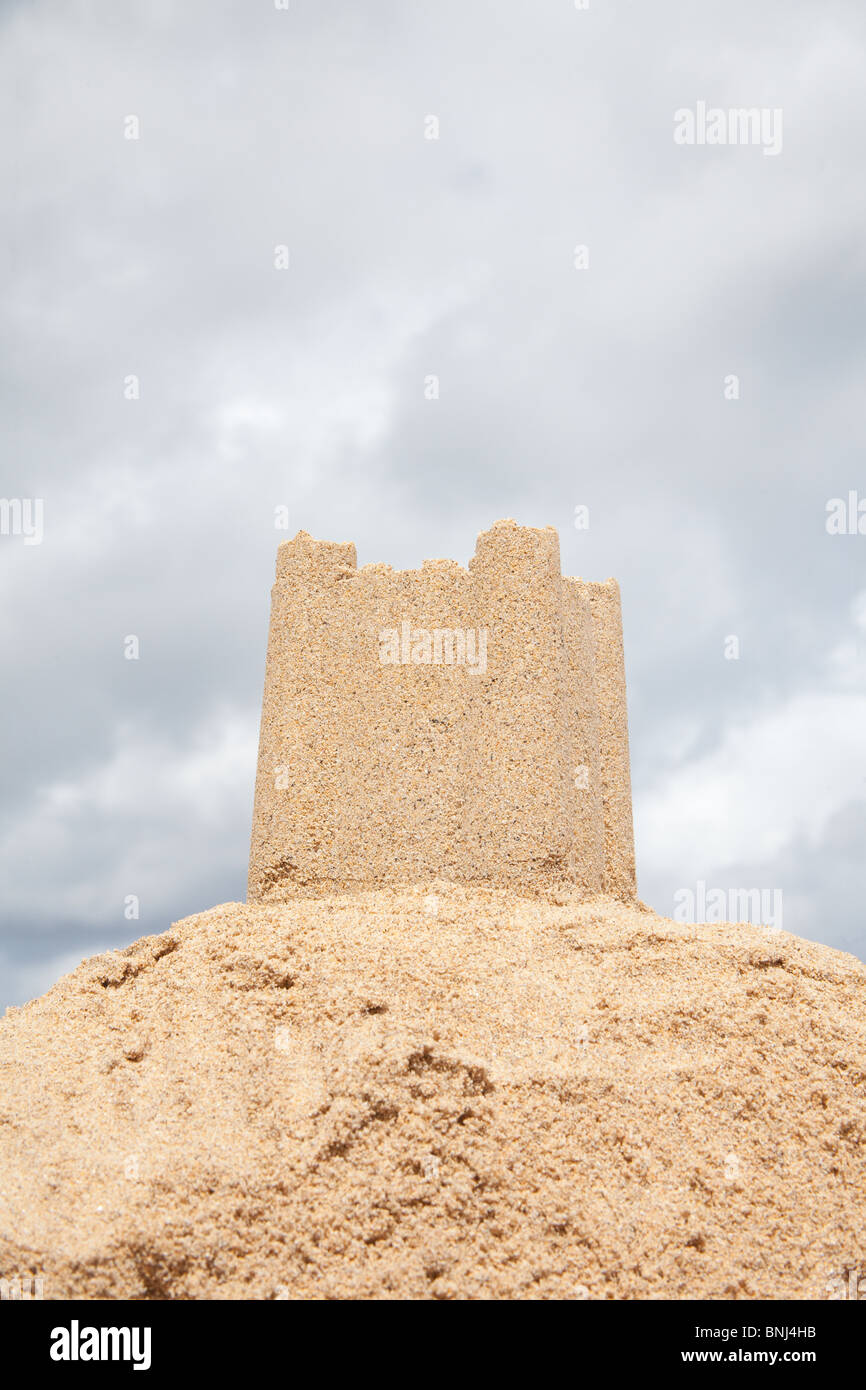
(442, 722)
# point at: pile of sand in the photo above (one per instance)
(443, 1093)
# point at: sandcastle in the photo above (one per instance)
(427, 1089)
(450, 723)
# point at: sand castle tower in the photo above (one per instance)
(467, 724)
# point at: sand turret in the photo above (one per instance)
(467, 724)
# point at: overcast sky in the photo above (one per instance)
(607, 385)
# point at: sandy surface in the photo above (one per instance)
(438, 1093)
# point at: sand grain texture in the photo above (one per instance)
(513, 770)
(438, 1092)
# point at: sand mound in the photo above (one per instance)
(440, 1093)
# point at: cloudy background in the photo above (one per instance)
(304, 388)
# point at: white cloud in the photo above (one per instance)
(152, 817)
(775, 778)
